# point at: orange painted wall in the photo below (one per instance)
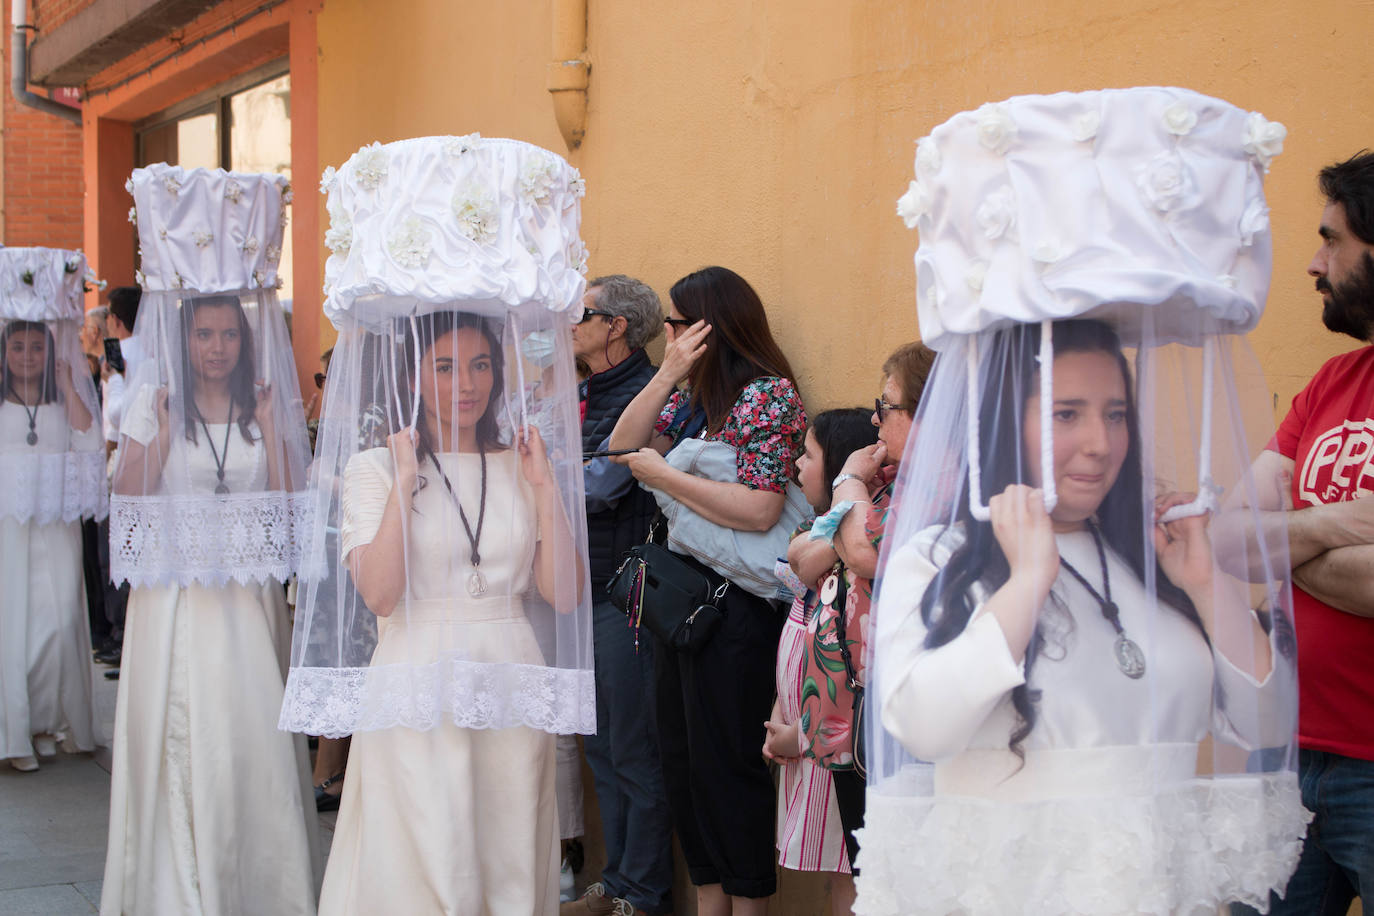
(775, 136)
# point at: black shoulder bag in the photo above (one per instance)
(675, 598)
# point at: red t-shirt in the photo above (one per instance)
(1329, 434)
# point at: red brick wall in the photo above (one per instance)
(43, 184)
(49, 14)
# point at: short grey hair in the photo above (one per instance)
(633, 300)
(100, 313)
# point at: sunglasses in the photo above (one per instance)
(881, 407)
(679, 324)
(588, 314)
(319, 379)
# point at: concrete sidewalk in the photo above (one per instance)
(53, 825)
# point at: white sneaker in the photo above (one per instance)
(45, 745)
(24, 764)
(567, 886)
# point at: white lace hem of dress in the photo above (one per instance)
(206, 539)
(53, 487)
(334, 702)
(1186, 850)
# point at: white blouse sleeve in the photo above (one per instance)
(367, 484)
(1251, 713)
(139, 421)
(935, 700)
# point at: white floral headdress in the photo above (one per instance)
(208, 230)
(1176, 176)
(437, 220)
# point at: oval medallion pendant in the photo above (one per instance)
(31, 438)
(1129, 658)
(222, 488)
(477, 583)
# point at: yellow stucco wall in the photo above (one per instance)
(774, 136)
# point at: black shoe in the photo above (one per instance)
(327, 801)
(109, 656)
(576, 855)
(112, 674)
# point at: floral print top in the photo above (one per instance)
(767, 427)
(827, 703)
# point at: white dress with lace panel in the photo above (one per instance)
(1113, 810)
(211, 807)
(45, 642)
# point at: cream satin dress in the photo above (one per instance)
(211, 807)
(450, 820)
(45, 639)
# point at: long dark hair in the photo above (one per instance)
(742, 346)
(47, 392)
(840, 433)
(431, 328)
(243, 396)
(948, 603)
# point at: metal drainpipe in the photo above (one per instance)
(19, 68)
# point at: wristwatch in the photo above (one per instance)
(842, 478)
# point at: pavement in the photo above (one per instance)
(54, 823)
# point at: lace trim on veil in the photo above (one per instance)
(334, 702)
(1186, 850)
(205, 538)
(53, 487)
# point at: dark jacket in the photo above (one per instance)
(614, 530)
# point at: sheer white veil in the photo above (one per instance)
(449, 254)
(52, 455)
(1158, 777)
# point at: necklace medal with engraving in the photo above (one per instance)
(220, 456)
(32, 437)
(1129, 656)
(476, 582)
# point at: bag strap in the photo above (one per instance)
(841, 604)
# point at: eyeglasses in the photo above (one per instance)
(679, 323)
(881, 407)
(319, 379)
(588, 314)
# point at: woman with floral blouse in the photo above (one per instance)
(710, 703)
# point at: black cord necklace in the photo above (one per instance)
(220, 458)
(1129, 658)
(32, 437)
(477, 583)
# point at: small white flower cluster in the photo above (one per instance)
(202, 238)
(458, 146)
(287, 195)
(1165, 181)
(577, 185)
(133, 215)
(233, 191)
(536, 178)
(260, 278)
(410, 244)
(172, 185)
(250, 247)
(476, 213)
(577, 255)
(1263, 139)
(328, 178)
(369, 166)
(339, 237)
(996, 215)
(273, 254)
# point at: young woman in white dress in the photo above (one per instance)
(1082, 694)
(450, 819)
(207, 804)
(45, 671)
